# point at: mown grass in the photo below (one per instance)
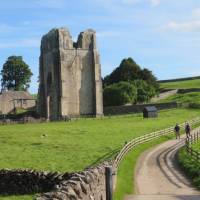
(190, 166)
(71, 146)
(20, 197)
(125, 177)
(181, 84)
(192, 97)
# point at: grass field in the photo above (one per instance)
(20, 197)
(181, 84)
(74, 145)
(193, 97)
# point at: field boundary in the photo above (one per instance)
(141, 140)
(179, 79)
(130, 109)
(195, 138)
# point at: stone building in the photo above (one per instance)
(10, 100)
(70, 75)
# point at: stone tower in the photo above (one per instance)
(70, 75)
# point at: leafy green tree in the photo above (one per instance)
(145, 91)
(148, 76)
(119, 94)
(16, 74)
(128, 70)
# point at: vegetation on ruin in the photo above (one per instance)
(190, 166)
(16, 74)
(181, 84)
(54, 146)
(141, 85)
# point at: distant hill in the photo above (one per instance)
(182, 83)
(179, 79)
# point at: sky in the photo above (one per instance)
(161, 35)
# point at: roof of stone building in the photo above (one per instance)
(11, 95)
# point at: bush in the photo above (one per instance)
(144, 91)
(119, 94)
(189, 166)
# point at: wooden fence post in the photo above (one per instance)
(109, 183)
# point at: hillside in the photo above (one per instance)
(180, 84)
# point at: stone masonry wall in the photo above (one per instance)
(70, 75)
(87, 185)
(29, 181)
(120, 110)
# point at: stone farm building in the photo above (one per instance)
(9, 100)
(70, 75)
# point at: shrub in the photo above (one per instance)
(119, 94)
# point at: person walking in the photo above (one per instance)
(187, 129)
(177, 131)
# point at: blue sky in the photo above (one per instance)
(162, 35)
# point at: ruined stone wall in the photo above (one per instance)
(74, 68)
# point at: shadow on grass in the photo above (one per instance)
(105, 157)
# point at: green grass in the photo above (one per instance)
(193, 97)
(196, 146)
(74, 145)
(181, 84)
(190, 166)
(20, 197)
(125, 177)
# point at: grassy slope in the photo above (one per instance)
(193, 97)
(75, 145)
(190, 166)
(181, 84)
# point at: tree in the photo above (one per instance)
(16, 74)
(145, 91)
(128, 70)
(147, 76)
(119, 94)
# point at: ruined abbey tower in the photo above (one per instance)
(70, 75)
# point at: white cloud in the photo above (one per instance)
(189, 26)
(196, 12)
(27, 43)
(155, 3)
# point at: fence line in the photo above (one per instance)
(143, 139)
(195, 138)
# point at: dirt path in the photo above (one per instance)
(159, 178)
(164, 95)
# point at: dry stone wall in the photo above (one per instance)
(87, 185)
(120, 110)
(29, 181)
